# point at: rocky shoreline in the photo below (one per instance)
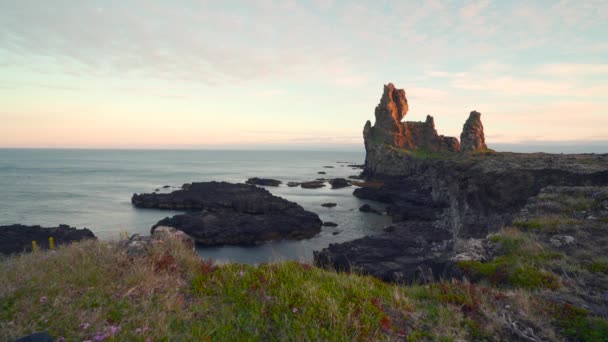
(19, 238)
(439, 198)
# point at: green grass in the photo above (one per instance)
(577, 325)
(419, 153)
(93, 288)
(520, 263)
(545, 223)
(90, 288)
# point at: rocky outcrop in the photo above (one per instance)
(405, 252)
(18, 238)
(232, 214)
(388, 128)
(263, 181)
(338, 183)
(231, 227)
(472, 137)
(443, 204)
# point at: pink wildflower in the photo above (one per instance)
(84, 326)
(114, 330)
(295, 310)
(43, 299)
(148, 339)
(138, 331)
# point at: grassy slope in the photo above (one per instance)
(93, 289)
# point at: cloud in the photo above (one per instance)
(574, 69)
(474, 9)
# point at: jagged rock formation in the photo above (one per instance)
(390, 130)
(472, 137)
(232, 214)
(18, 238)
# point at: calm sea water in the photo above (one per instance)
(93, 188)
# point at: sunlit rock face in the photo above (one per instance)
(388, 127)
(472, 137)
(390, 130)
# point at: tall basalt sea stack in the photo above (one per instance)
(472, 138)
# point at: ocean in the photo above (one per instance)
(93, 188)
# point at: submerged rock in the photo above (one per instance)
(316, 184)
(329, 224)
(338, 183)
(18, 238)
(366, 208)
(328, 205)
(263, 181)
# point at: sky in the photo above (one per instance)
(282, 74)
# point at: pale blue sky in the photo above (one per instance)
(295, 73)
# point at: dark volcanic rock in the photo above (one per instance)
(328, 205)
(322, 173)
(329, 224)
(338, 183)
(263, 181)
(18, 238)
(411, 251)
(238, 214)
(316, 184)
(231, 227)
(212, 195)
(293, 184)
(366, 208)
(472, 137)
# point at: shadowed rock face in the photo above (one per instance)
(472, 137)
(232, 214)
(18, 238)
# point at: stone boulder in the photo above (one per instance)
(472, 137)
(139, 245)
(18, 238)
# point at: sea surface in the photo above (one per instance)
(93, 189)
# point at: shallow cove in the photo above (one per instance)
(93, 188)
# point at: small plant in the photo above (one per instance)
(577, 324)
(51, 243)
(35, 247)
